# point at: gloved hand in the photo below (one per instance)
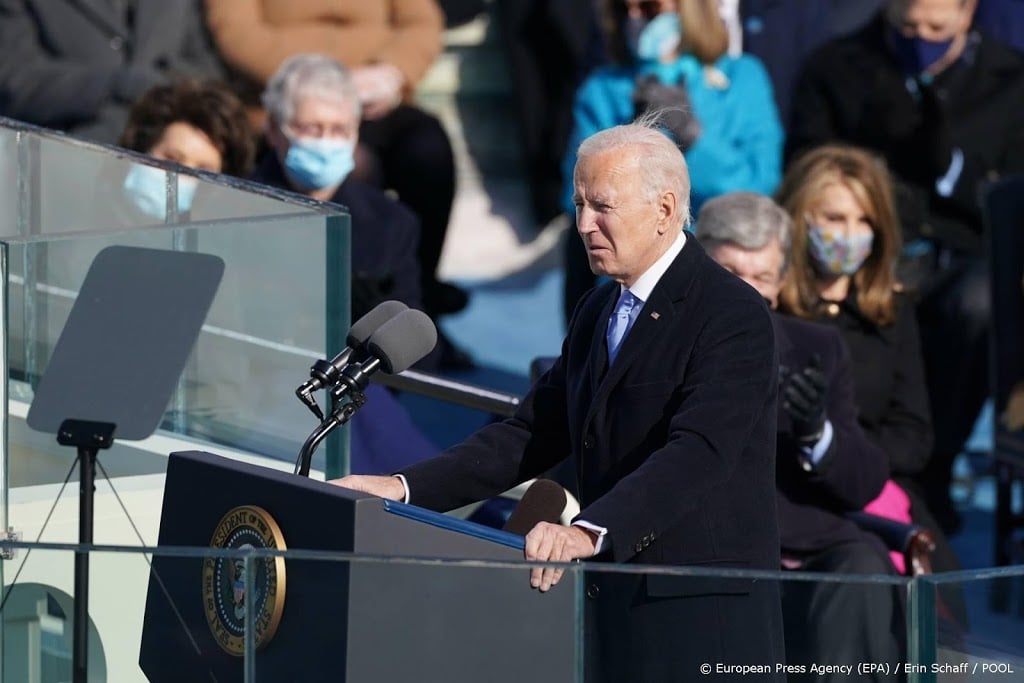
(803, 399)
(920, 136)
(934, 136)
(673, 104)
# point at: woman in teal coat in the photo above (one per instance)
(673, 55)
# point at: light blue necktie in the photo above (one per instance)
(620, 321)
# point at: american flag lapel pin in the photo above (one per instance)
(655, 315)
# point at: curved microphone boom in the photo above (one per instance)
(326, 373)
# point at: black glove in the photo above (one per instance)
(672, 102)
(803, 399)
(921, 150)
(934, 135)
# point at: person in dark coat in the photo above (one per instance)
(78, 65)
(665, 396)
(940, 102)
(782, 33)
(388, 47)
(845, 244)
(311, 132)
(826, 466)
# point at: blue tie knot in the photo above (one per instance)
(621, 320)
(626, 302)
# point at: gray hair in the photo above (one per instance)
(306, 75)
(747, 220)
(661, 163)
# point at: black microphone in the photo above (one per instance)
(394, 347)
(544, 501)
(326, 373)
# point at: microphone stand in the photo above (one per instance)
(340, 414)
(323, 373)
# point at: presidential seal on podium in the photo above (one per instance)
(226, 591)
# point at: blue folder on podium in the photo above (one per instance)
(337, 620)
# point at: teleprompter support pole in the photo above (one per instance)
(88, 437)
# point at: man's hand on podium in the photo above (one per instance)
(383, 486)
(548, 542)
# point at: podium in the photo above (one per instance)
(342, 620)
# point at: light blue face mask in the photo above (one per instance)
(319, 163)
(650, 40)
(146, 188)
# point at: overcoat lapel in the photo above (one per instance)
(599, 344)
(658, 315)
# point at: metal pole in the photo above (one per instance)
(86, 490)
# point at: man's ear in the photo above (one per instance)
(668, 212)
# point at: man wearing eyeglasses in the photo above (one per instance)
(312, 130)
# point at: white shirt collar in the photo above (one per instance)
(645, 284)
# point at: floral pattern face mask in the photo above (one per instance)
(834, 253)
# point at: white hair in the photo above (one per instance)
(308, 75)
(661, 163)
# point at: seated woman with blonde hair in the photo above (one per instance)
(844, 250)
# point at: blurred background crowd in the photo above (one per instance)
(877, 125)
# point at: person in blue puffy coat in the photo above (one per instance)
(670, 56)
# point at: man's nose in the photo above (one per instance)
(585, 221)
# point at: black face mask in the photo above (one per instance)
(916, 54)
